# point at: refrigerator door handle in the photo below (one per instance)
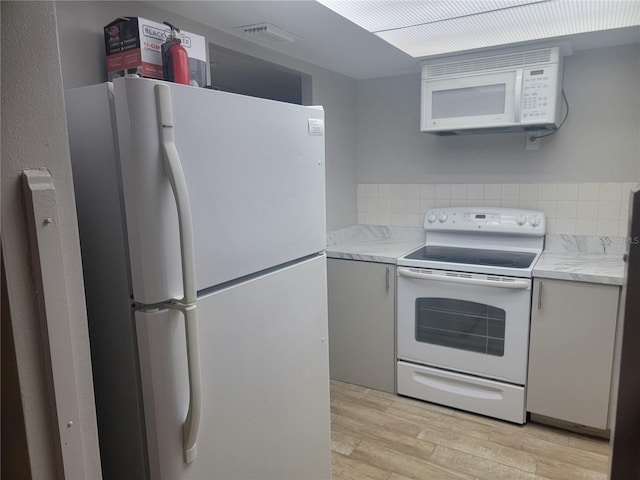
(192, 422)
(175, 173)
(173, 170)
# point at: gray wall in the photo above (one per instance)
(373, 125)
(83, 63)
(599, 142)
(34, 135)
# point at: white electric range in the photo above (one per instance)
(464, 307)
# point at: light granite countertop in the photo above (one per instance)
(373, 243)
(565, 257)
(582, 259)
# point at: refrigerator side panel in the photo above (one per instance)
(265, 381)
(107, 283)
(256, 179)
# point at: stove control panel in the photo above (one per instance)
(488, 219)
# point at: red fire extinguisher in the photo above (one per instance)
(175, 60)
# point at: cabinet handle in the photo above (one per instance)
(387, 280)
(540, 297)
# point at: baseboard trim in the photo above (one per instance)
(573, 427)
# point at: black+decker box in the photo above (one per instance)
(133, 45)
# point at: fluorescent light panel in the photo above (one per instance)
(377, 16)
(443, 26)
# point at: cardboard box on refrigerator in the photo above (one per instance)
(133, 46)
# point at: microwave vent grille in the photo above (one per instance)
(487, 64)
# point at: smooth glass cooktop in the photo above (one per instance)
(473, 256)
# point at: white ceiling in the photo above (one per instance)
(329, 40)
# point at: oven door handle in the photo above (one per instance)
(500, 282)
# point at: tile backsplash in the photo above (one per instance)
(570, 208)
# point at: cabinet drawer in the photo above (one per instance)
(475, 394)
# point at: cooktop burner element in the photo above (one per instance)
(473, 256)
(502, 241)
(500, 262)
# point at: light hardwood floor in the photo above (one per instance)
(379, 436)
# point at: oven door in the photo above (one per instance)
(470, 323)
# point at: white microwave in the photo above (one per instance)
(509, 91)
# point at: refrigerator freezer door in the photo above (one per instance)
(255, 175)
(265, 381)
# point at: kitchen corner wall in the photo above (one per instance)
(33, 137)
(570, 208)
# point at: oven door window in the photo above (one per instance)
(460, 324)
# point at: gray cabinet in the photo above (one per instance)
(571, 355)
(361, 323)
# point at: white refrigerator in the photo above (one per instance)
(202, 228)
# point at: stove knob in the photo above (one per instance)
(431, 217)
(535, 221)
(521, 220)
(442, 217)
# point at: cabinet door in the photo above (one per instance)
(361, 323)
(572, 337)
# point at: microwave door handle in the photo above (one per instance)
(517, 94)
(511, 283)
(175, 173)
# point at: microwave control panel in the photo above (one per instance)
(539, 94)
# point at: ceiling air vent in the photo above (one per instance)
(267, 33)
